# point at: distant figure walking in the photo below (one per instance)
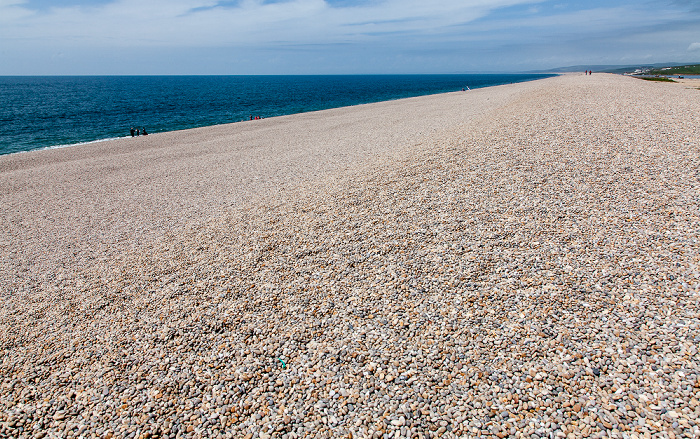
(133, 132)
(138, 132)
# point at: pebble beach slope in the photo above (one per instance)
(518, 261)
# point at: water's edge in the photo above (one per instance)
(60, 112)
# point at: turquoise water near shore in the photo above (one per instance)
(43, 112)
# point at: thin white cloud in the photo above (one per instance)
(584, 22)
(226, 36)
(203, 22)
(12, 11)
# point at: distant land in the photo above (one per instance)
(642, 69)
(693, 69)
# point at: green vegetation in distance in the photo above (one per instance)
(678, 70)
(646, 78)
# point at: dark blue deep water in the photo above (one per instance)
(42, 112)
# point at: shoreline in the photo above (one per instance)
(274, 114)
(515, 261)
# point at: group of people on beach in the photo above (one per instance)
(255, 118)
(589, 72)
(138, 132)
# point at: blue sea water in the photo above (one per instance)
(43, 112)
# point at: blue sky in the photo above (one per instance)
(89, 37)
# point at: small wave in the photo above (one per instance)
(77, 144)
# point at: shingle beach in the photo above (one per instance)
(516, 261)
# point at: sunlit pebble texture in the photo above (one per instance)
(530, 272)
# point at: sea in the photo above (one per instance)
(39, 112)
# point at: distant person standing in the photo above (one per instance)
(138, 132)
(133, 132)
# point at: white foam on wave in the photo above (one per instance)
(76, 144)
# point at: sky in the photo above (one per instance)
(231, 37)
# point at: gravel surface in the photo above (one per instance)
(518, 261)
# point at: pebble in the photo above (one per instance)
(534, 274)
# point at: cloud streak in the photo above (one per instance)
(338, 35)
(206, 22)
